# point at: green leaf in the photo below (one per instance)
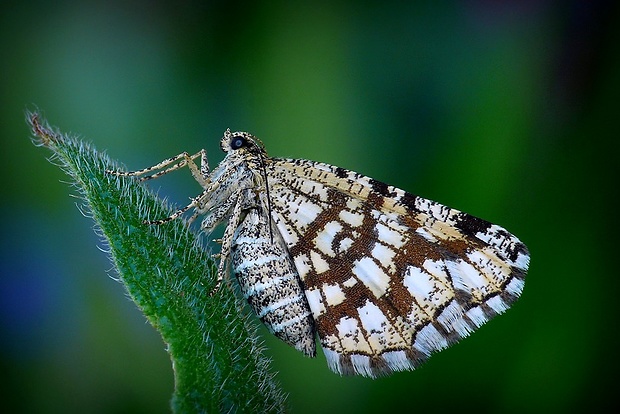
(216, 355)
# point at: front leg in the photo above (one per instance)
(174, 163)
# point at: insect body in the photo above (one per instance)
(384, 277)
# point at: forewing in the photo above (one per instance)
(390, 277)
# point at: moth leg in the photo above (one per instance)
(174, 163)
(194, 204)
(227, 238)
(218, 214)
(204, 164)
(236, 203)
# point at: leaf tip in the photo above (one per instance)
(43, 133)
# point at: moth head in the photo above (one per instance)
(241, 141)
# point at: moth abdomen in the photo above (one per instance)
(270, 283)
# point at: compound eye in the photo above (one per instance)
(238, 142)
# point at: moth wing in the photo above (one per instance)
(390, 277)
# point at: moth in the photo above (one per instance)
(384, 277)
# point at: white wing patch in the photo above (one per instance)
(371, 275)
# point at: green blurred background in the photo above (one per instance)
(507, 110)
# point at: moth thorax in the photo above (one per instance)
(269, 281)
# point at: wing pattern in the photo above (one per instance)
(390, 277)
